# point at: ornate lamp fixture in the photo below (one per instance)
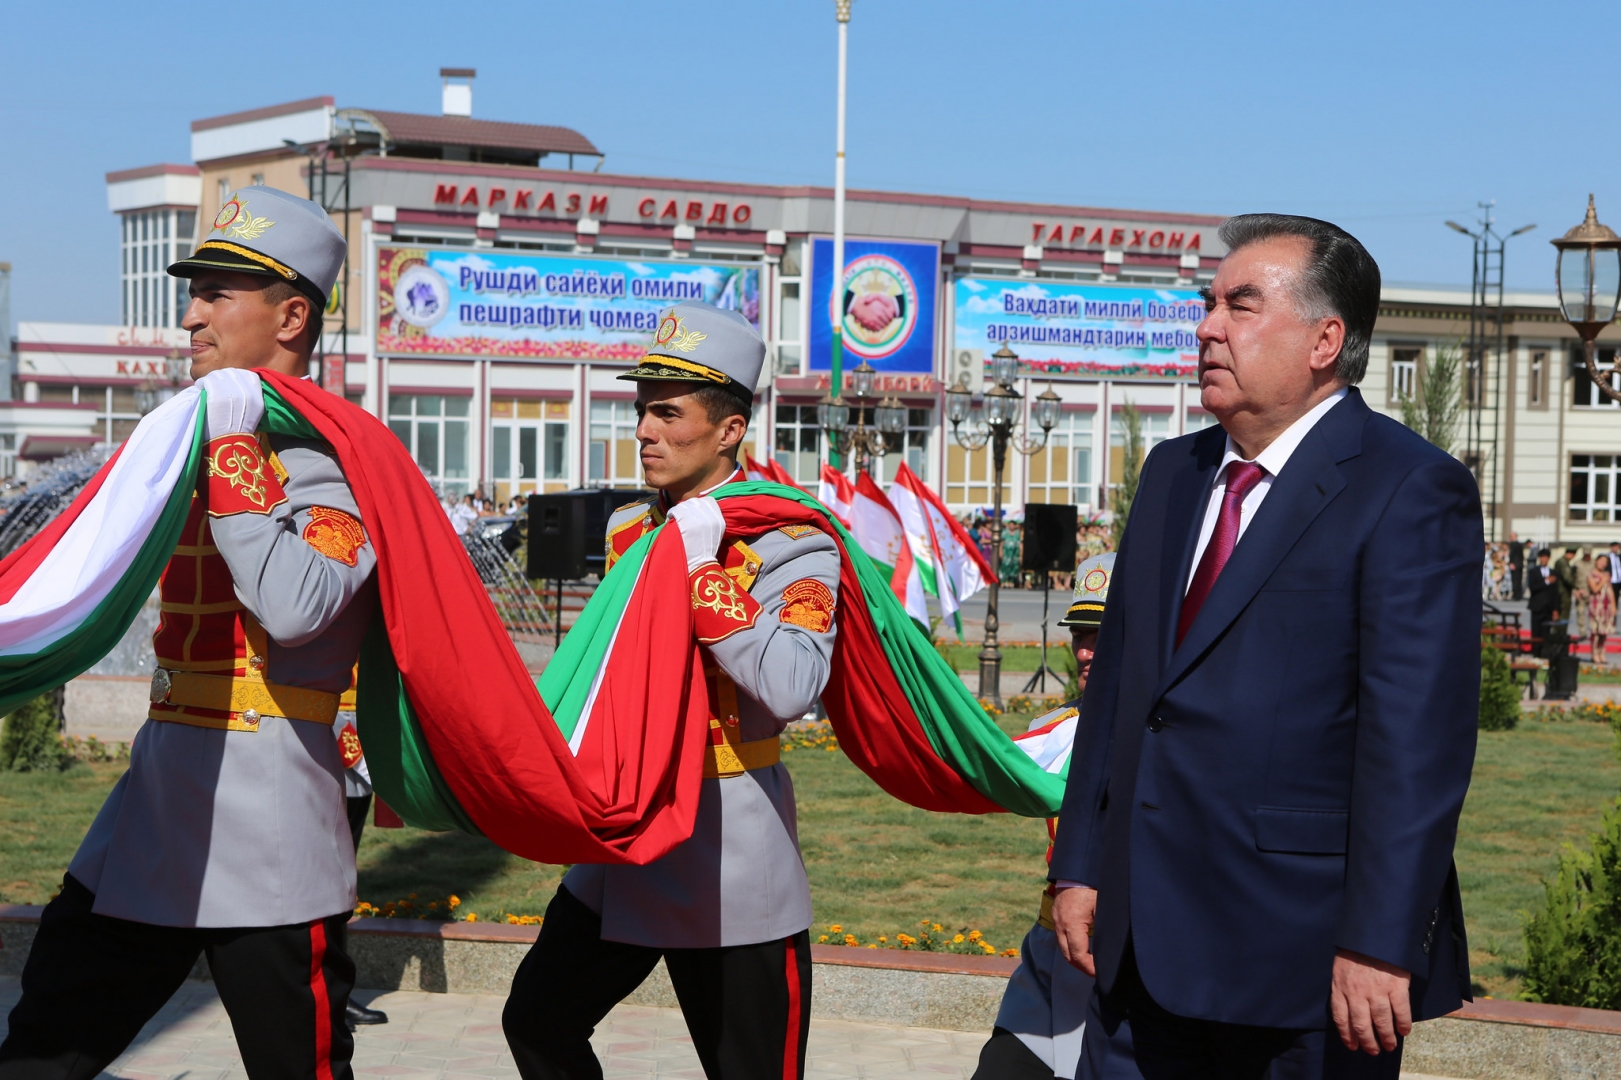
(1588, 275)
(991, 419)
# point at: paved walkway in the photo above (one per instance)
(434, 1036)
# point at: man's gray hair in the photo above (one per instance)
(1340, 278)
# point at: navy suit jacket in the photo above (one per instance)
(1288, 780)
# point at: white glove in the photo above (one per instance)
(702, 527)
(236, 401)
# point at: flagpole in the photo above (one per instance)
(836, 379)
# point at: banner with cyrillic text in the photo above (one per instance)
(482, 303)
(1059, 328)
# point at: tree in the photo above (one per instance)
(1131, 468)
(1435, 410)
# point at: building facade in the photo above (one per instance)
(493, 295)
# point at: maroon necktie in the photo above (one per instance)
(1241, 477)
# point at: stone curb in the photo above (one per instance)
(1485, 1040)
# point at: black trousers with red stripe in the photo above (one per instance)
(91, 982)
(747, 1007)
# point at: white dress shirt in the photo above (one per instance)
(1271, 460)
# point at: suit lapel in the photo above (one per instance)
(1307, 484)
(1184, 514)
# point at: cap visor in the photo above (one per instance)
(1083, 615)
(220, 260)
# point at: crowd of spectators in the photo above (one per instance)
(1578, 584)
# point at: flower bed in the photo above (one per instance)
(932, 937)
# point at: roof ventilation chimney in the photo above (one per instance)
(458, 95)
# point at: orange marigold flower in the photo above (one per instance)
(835, 929)
(822, 940)
(472, 916)
(958, 939)
(850, 939)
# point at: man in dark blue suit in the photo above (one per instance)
(1255, 849)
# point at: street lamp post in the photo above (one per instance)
(841, 11)
(992, 420)
(876, 421)
(1588, 275)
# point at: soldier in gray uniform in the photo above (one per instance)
(1048, 1016)
(728, 909)
(228, 835)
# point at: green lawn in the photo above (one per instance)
(1535, 789)
(878, 867)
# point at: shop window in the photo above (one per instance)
(1585, 393)
(1536, 390)
(798, 445)
(528, 446)
(1593, 487)
(434, 429)
(1061, 471)
(614, 455)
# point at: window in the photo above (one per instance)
(1156, 429)
(614, 457)
(799, 443)
(434, 428)
(258, 179)
(1593, 492)
(968, 477)
(789, 345)
(224, 189)
(912, 447)
(1536, 391)
(1585, 393)
(1198, 421)
(528, 446)
(1061, 471)
(1404, 373)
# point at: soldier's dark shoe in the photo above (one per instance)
(359, 1014)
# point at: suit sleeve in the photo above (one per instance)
(1077, 847)
(297, 567)
(1417, 714)
(782, 658)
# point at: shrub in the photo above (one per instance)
(1499, 696)
(1573, 945)
(29, 740)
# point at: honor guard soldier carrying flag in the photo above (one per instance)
(728, 909)
(228, 835)
(1043, 1019)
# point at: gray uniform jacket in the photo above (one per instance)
(739, 879)
(213, 828)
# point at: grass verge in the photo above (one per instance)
(878, 867)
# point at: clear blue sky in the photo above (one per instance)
(1385, 117)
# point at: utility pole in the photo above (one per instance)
(1485, 337)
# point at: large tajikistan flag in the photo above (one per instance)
(949, 564)
(600, 759)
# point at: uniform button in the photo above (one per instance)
(256, 661)
(251, 717)
(1156, 725)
